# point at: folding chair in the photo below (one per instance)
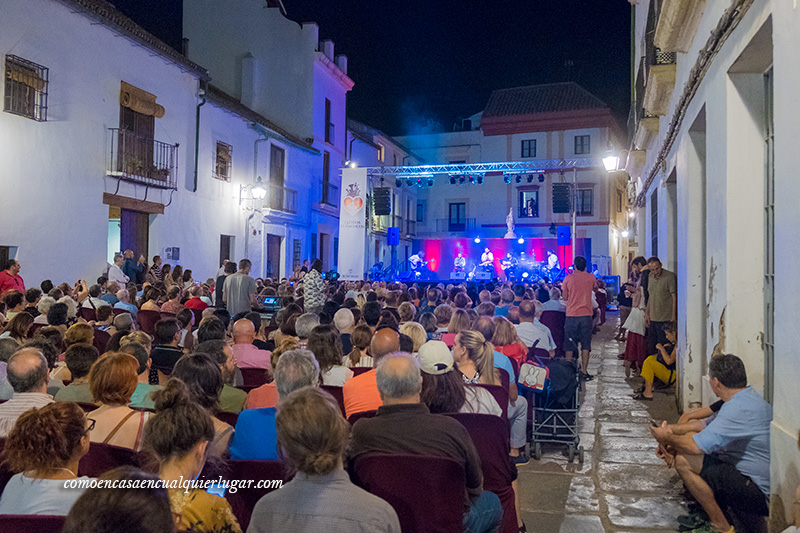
(337, 394)
(104, 457)
(32, 523)
(254, 377)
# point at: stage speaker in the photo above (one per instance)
(458, 275)
(404, 275)
(561, 198)
(563, 235)
(382, 200)
(393, 236)
(483, 275)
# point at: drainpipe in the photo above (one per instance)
(202, 93)
(261, 139)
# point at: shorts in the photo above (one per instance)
(578, 330)
(732, 488)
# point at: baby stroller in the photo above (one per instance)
(555, 410)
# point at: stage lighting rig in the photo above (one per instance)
(430, 182)
(507, 179)
(452, 180)
(398, 183)
(519, 178)
(477, 240)
(541, 177)
(480, 179)
(461, 180)
(530, 178)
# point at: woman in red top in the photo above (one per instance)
(507, 342)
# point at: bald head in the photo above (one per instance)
(244, 332)
(385, 341)
(399, 379)
(27, 371)
(527, 311)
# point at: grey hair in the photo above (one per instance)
(296, 369)
(8, 346)
(117, 257)
(44, 304)
(398, 385)
(555, 293)
(31, 380)
(305, 323)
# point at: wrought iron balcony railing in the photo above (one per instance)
(411, 227)
(281, 198)
(444, 225)
(142, 159)
(330, 194)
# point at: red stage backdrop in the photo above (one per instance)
(444, 251)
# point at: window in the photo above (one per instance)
(654, 223)
(336, 251)
(276, 172)
(222, 167)
(225, 247)
(26, 88)
(381, 152)
(420, 211)
(619, 201)
(528, 204)
(583, 144)
(313, 246)
(297, 251)
(585, 199)
(457, 220)
(329, 131)
(326, 177)
(529, 148)
(5, 254)
(394, 159)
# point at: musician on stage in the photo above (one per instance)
(552, 260)
(487, 258)
(459, 262)
(417, 261)
(509, 264)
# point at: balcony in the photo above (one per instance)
(280, 198)
(398, 222)
(660, 81)
(646, 132)
(143, 160)
(330, 194)
(635, 163)
(444, 225)
(677, 24)
(411, 227)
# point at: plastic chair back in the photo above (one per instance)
(227, 417)
(87, 407)
(427, 493)
(554, 320)
(355, 417)
(32, 523)
(337, 394)
(254, 377)
(104, 457)
(33, 329)
(487, 434)
(147, 320)
(101, 339)
(357, 371)
(244, 500)
(198, 316)
(119, 311)
(87, 313)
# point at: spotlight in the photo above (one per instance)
(507, 179)
(409, 182)
(477, 240)
(353, 164)
(430, 182)
(519, 178)
(521, 240)
(461, 180)
(553, 229)
(632, 214)
(452, 180)
(530, 178)
(398, 183)
(541, 177)
(524, 274)
(625, 234)
(480, 179)
(472, 180)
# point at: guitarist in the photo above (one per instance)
(509, 266)
(417, 262)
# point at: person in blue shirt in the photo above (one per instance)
(256, 437)
(726, 464)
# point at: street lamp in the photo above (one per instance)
(611, 162)
(258, 190)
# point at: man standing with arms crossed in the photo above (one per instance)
(662, 306)
(577, 292)
(239, 290)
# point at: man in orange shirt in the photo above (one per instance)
(361, 392)
(577, 292)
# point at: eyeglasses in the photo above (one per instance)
(91, 425)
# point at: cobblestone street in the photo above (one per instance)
(622, 486)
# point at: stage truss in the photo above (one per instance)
(505, 167)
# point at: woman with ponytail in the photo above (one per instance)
(179, 435)
(360, 339)
(45, 447)
(312, 438)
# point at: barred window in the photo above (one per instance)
(529, 148)
(25, 88)
(222, 167)
(583, 144)
(585, 199)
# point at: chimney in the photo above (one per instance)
(248, 80)
(326, 47)
(341, 62)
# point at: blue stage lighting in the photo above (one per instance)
(398, 183)
(521, 240)
(507, 179)
(541, 177)
(409, 182)
(461, 180)
(519, 178)
(452, 180)
(477, 240)
(480, 179)
(524, 274)
(530, 178)
(430, 182)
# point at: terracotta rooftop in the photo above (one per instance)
(535, 99)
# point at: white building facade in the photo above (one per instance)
(530, 124)
(113, 140)
(715, 131)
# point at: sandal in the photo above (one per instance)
(641, 396)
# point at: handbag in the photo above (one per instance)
(635, 322)
(533, 376)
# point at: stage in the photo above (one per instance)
(530, 254)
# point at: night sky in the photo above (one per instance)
(421, 66)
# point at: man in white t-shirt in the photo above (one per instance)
(115, 273)
(530, 330)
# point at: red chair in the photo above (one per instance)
(427, 493)
(101, 339)
(515, 366)
(5, 473)
(147, 320)
(355, 417)
(337, 394)
(32, 523)
(87, 313)
(244, 500)
(498, 473)
(538, 355)
(198, 316)
(246, 388)
(104, 457)
(554, 320)
(505, 379)
(87, 407)
(254, 377)
(164, 314)
(119, 311)
(357, 371)
(227, 417)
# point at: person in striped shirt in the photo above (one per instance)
(28, 374)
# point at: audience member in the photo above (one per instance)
(244, 350)
(18, 327)
(32, 298)
(313, 437)
(326, 345)
(345, 323)
(361, 392)
(578, 289)
(27, 373)
(231, 399)
(661, 365)
(415, 332)
(165, 352)
(531, 331)
(239, 290)
(79, 358)
(360, 339)
(134, 345)
(304, 325)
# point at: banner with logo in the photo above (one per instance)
(353, 224)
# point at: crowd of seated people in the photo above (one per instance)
(399, 353)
